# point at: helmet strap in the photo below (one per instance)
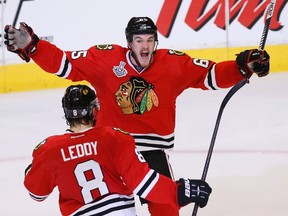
(155, 48)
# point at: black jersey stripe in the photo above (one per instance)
(154, 145)
(64, 71)
(149, 137)
(117, 204)
(37, 198)
(113, 209)
(28, 169)
(147, 184)
(154, 141)
(210, 82)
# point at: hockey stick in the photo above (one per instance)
(232, 91)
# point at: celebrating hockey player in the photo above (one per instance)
(138, 85)
(97, 169)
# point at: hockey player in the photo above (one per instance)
(138, 85)
(97, 169)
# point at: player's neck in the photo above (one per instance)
(79, 128)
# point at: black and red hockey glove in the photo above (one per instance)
(191, 190)
(253, 61)
(22, 41)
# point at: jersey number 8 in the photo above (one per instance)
(89, 185)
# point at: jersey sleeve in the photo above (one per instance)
(142, 180)
(39, 177)
(58, 62)
(190, 72)
(48, 56)
(209, 75)
(227, 74)
(80, 65)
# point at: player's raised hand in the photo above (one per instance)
(193, 190)
(22, 41)
(253, 61)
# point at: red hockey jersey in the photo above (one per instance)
(142, 103)
(96, 172)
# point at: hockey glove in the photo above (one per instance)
(22, 41)
(253, 61)
(191, 190)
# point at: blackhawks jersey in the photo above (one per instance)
(142, 103)
(96, 171)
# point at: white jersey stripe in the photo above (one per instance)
(147, 184)
(111, 205)
(145, 142)
(150, 187)
(37, 197)
(154, 135)
(210, 80)
(65, 67)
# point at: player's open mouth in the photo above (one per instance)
(144, 54)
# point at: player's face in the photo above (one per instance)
(143, 47)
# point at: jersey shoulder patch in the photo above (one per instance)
(104, 47)
(40, 144)
(175, 52)
(120, 130)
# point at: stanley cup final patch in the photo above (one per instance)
(120, 71)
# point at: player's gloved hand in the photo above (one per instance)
(253, 61)
(192, 190)
(22, 41)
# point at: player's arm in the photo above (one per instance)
(152, 186)
(161, 189)
(39, 179)
(209, 75)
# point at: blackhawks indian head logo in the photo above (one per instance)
(136, 96)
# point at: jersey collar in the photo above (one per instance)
(137, 68)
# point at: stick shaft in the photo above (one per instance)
(267, 24)
(232, 91)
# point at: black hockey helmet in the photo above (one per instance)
(140, 25)
(79, 101)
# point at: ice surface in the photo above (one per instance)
(249, 166)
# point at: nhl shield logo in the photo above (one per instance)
(120, 71)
